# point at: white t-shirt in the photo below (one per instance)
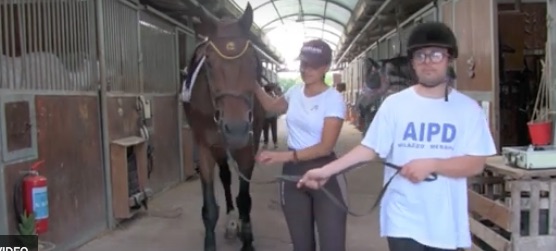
(305, 115)
(408, 126)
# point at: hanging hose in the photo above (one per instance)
(144, 131)
(142, 124)
(18, 198)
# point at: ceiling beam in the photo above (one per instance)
(339, 4)
(325, 40)
(324, 31)
(277, 12)
(371, 21)
(331, 31)
(306, 15)
(324, 13)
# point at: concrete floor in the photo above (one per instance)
(175, 224)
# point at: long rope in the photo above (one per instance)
(334, 199)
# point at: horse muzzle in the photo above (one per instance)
(236, 134)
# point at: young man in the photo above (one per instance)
(425, 129)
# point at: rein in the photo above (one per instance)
(329, 195)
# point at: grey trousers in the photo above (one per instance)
(303, 208)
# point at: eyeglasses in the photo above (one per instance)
(434, 57)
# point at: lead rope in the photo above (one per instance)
(329, 195)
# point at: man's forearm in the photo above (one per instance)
(358, 154)
(460, 167)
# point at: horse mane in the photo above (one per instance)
(193, 60)
(260, 75)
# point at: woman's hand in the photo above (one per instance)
(314, 178)
(273, 157)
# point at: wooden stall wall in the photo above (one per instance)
(166, 166)
(475, 25)
(50, 111)
(69, 142)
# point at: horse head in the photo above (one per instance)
(372, 73)
(232, 70)
(382, 77)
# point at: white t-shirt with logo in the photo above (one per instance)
(408, 126)
(305, 115)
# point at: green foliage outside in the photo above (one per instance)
(289, 79)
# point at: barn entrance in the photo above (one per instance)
(522, 34)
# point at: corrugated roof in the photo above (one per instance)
(326, 19)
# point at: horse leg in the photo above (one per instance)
(210, 210)
(232, 217)
(246, 164)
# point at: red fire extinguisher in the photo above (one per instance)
(35, 197)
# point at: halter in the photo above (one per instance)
(214, 95)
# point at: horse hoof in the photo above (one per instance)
(232, 230)
(248, 248)
(210, 247)
(232, 226)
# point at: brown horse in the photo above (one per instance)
(225, 117)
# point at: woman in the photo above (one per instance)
(314, 116)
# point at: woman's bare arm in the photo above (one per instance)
(330, 133)
(276, 105)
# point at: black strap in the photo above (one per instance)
(334, 199)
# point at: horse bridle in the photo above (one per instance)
(215, 96)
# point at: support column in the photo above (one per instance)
(550, 50)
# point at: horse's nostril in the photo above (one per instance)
(227, 128)
(217, 115)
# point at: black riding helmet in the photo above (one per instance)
(432, 34)
(435, 34)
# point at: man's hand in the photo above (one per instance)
(419, 169)
(314, 178)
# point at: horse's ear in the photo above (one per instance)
(246, 20)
